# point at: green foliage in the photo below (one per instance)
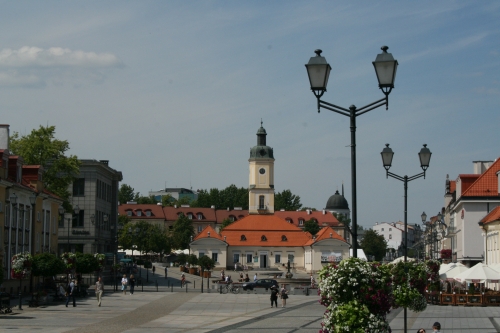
(206, 263)
(192, 260)
(312, 227)
(125, 194)
(374, 244)
(181, 258)
(86, 263)
(287, 201)
(144, 237)
(224, 224)
(123, 220)
(229, 197)
(148, 264)
(151, 200)
(344, 220)
(40, 147)
(303, 209)
(47, 264)
(158, 241)
(182, 231)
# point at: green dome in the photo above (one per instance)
(261, 152)
(336, 202)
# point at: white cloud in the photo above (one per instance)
(31, 56)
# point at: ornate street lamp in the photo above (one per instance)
(425, 157)
(318, 71)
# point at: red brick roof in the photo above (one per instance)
(492, 216)
(486, 184)
(156, 211)
(223, 214)
(172, 213)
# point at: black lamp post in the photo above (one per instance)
(425, 157)
(32, 233)
(13, 202)
(319, 71)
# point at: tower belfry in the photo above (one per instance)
(261, 178)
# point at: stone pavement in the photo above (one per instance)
(194, 312)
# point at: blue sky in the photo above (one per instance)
(172, 92)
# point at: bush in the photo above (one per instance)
(148, 264)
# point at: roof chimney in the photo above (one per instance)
(208, 234)
(224, 238)
(324, 212)
(4, 136)
(308, 211)
(213, 207)
(228, 209)
(331, 234)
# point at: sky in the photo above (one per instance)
(172, 93)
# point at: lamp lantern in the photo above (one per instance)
(318, 71)
(425, 157)
(424, 217)
(387, 155)
(385, 68)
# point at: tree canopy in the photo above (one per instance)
(182, 231)
(286, 200)
(125, 194)
(47, 264)
(374, 244)
(40, 147)
(312, 227)
(224, 224)
(229, 197)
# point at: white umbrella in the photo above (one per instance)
(395, 261)
(446, 267)
(480, 273)
(496, 267)
(453, 272)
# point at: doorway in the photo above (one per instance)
(263, 261)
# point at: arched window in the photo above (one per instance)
(283, 238)
(289, 220)
(263, 238)
(301, 222)
(261, 202)
(243, 238)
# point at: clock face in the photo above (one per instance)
(262, 171)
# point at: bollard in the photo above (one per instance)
(220, 289)
(168, 284)
(172, 290)
(142, 285)
(156, 282)
(202, 286)
(186, 288)
(194, 284)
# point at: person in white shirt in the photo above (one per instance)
(255, 277)
(124, 284)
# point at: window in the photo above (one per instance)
(232, 218)
(263, 238)
(249, 258)
(61, 221)
(129, 213)
(261, 202)
(301, 222)
(236, 257)
(139, 213)
(79, 187)
(190, 216)
(243, 238)
(148, 213)
(283, 238)
(78, 219)
(200, 228)
(200, 216)
(390, 229)
(201, 254)
(215, 256)
(390, 236)
(289, 220)
(277, 258)
(382, 229)
(290, 257)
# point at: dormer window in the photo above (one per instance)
(148, 213)
(301, 222)
(232, 218)
(243, 238)
(129, 213)
(289, 221)
(200, 216)
(283, 238)
(263, 238)
(190, 216)
(139, 213)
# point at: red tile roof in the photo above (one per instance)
(326, 219)
(172, 213)
(486, 184)
(492, 216)
(223, 214)
(325, 233)
(156, 211)
(213, 234)
(453, 186)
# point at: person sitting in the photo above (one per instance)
(247, 279)
(241, 277)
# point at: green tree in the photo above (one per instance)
(86, 263)
(40, 147)
(168, 200)
(158, 240)
(181, 259)
(123, 220)
(229, 197)
(303, 209)
(182, 232)
(125, 194)
(224, 224)
(343, 219)
(374, 244)
(312, 227)
(286, 200)
(145, 200)
(47, 264)
(206, 263)
(192, 260)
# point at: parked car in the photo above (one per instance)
(260, 283)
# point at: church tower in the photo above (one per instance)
(261, 180)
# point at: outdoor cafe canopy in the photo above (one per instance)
(479, 273)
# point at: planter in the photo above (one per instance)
(181, 268)
(447, 299)
(207, 274)
(476, 300)
(460, 299)
(192, 270)
(492, 300)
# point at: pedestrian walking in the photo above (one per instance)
(124, 284)
(255, 277)
(165, 272)
(274, 296)
(284, 296)
(154, 269)
(99, 290)
(436, 327)
(70, 293)
(131, 281)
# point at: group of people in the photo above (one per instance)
(436, 328)
(246, 278)
(282, 293)
(128, 282)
